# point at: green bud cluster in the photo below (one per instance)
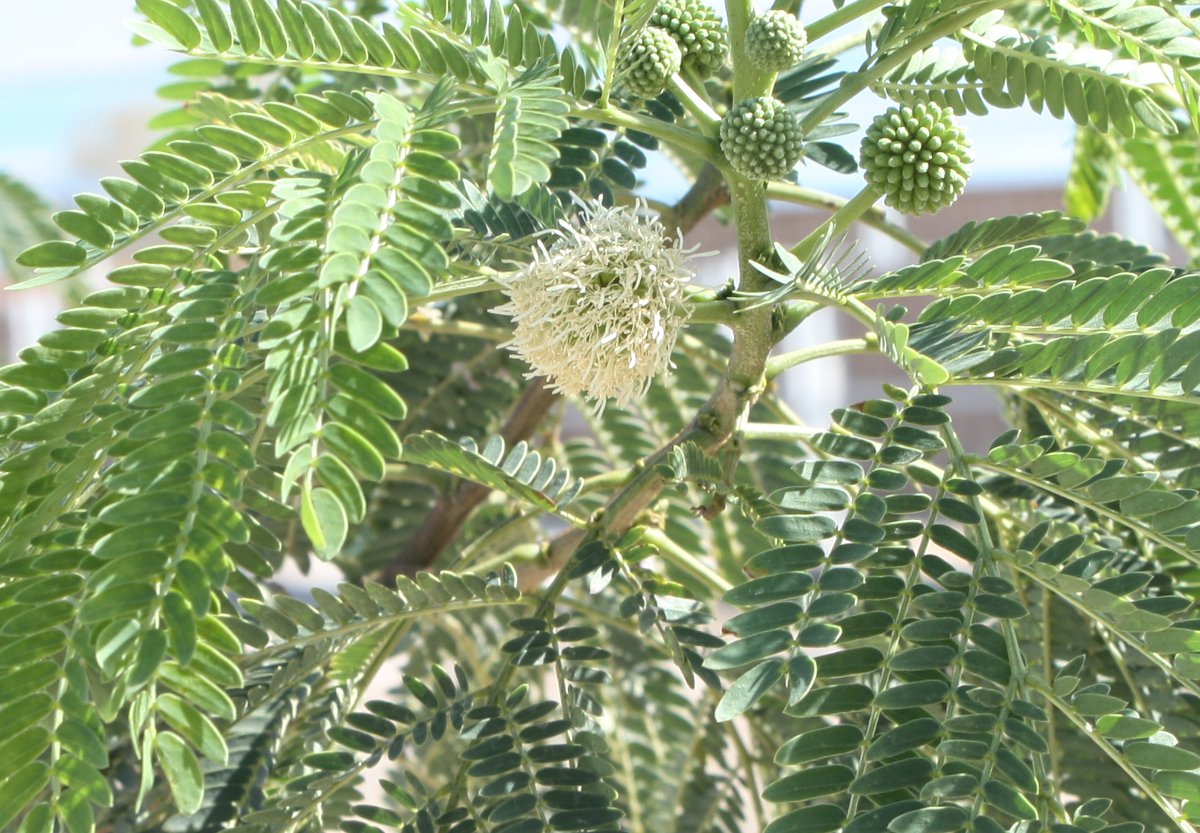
(698, 30)
(647, 60)
(775, 40)
(917, 158)
(761, 138)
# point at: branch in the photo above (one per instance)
(700, 109)
(846, 347)
(754, 335)
(840, 17)
(420, 323)
(856, 82)
(708, 193)
(681, 137)
(838, 222)
(874, 217)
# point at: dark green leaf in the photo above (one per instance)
(747, 689)
(818, 744)
(809, 783)
(930, 820)
(748, 650)
(820, 818)
(1159, 756)
(182, 770)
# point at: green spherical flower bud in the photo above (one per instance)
(647, 59)
(917, 158)
(698, 30)
(761, 138)
(775, 40)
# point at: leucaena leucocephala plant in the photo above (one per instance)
(397, 287)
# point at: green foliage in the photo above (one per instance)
(1159, 33)
(999, 66)
(1093, 175)
(1166, 171)
(24, 220)
(521, 474)
(688, 613)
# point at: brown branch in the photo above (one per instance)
(708, 193)
(711, 429)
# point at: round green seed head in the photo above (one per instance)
(775, 40)
(647, 60)
(761, 138)
(917, 158)
(698, 30)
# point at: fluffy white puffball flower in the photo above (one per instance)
(597, 312)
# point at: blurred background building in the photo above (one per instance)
(76, 96)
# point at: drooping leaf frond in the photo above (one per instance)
(522, 473)
(24, 220)
(1093, 176)
(1165, 168)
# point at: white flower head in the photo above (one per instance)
(597, 313)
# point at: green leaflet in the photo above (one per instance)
(530, 117)
(182, 770)
(324, 521)
(1168, 175)
(1092, 178)
(24, 220)
(1146, 32)
(379, 245)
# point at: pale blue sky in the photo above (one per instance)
(69, 73)
(67, 68)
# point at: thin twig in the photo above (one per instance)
(874, 217)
